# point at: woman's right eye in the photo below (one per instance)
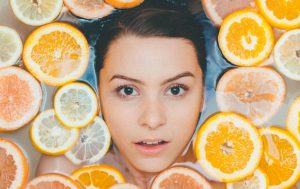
(127, 91)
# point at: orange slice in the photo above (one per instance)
(178, 178)
(281, 157)
(56, 53)
(256, 92)
(245, 38)
(21, 95)
(53, 181)
(14, 168)
(124, 186)
(124, 4)
(281, 13)
(228, 147)
(293, 118)
(98, 176)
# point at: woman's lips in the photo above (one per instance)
(151, 146)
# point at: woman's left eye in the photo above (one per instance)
(177, 90)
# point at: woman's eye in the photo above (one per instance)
(177, 90)
(127, 91)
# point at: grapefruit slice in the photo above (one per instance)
(124, 4)
(14, 168)
(20, 98)
(293, 118)
(180, 177)
(255, 92)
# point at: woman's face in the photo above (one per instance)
(151, 97)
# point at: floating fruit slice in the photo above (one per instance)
(245, 38)
(75, 104)
(217, 10)
(281, 157)
(98, 176)
(178, 178)
(228, 147)
(49, 136)
(287, 54)
(259, 180)
(10, 46)
(293, 118)
(53, 181)
(254, 92)
(36, 12)
(124, 186)
(56, 53)
(281, 13)
(124, 4)
(90, 9)
(93, 143)
(14, 168)
(21, 95)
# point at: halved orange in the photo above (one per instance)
(14, 167)
(228, 147)
(256, 92)
(124, 4)
(245, 38)
(20, 98)
(293, 118)
(56, 53)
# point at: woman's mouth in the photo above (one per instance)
(151, 146)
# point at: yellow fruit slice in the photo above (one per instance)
(287, 54)
(56, 53)
(14, 167)
(98, 176)
(75, 104)
(36, 12)
(93, 143)
(245, 38)
(293, 118)
(124, 4)
(259, 180)
(49, 136)
(228, 147)
(281, 13)
(281, 157)
(10, 46)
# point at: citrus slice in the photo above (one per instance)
(228, 147)
(98, 176)
(49, 136)
(14, 168)
(93, 143)
(217, 10)
(281, 13)
(89, 9)
(255, 92)
(293, 118)
(56, 53)
(124, 186)
(75, 104)
(53, 181)
(287, 54)
(178, 178)
(21, 95)
(245, 38)
(259, 180)
(36, 12)
(124, 4)
(281, 157)
(10, 46)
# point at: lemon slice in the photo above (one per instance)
(93, 143)
(10, 46)
(49, 136)
(75, 105)
(36, 12)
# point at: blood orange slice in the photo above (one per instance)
(13, 166)
(20, 98)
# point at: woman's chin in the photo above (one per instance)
(152, 165)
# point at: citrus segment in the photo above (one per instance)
(228, 147)
(293, 118)
(93, 143)
(281, 157)
(14, 168)
(49, 136)
(21, 95)
(255, 92)
(124, 186)
(98, 176)
(245, 38)
(56, 53)
(124, 4)
(75, 104)
(178, 178)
